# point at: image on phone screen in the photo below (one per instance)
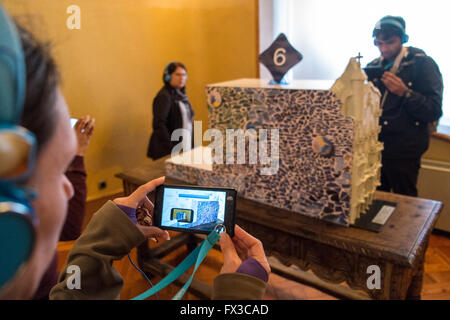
(193, 209)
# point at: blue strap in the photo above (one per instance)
(196, 257)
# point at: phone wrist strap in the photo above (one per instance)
(195, 257)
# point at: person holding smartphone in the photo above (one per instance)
(244, 274)
(411, 101)
(41, 111)
(171, 111)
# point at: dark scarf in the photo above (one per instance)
(180, 95)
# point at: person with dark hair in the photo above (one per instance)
(411, 100)
(34, 194)
(171, 111)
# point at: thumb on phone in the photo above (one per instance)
(140, 193)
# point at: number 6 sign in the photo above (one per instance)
(280, 57)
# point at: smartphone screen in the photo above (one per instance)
(73, 121)
(194, 209)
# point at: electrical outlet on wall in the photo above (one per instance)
(102, 185)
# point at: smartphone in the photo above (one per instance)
(194, 209)
(73, 121)
(374, 72)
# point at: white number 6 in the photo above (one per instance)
(278, 57)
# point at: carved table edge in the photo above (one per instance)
(422, 242)
(340, 244)
(336, 278)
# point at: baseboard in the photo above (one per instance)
(439, 232)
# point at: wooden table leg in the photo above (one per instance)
(415, 288)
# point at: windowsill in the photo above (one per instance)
(443, 133)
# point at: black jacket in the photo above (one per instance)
(166, 119)
(404, 120)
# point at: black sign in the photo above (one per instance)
(280, 57)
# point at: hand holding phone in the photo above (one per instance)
(73, 122)
(84, 127)
(239, 249)
(194, 209)
(139, 199)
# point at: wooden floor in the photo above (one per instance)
(436, 283)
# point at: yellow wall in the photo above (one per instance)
(439, 150)
(112, 67)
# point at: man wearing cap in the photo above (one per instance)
(411, 99)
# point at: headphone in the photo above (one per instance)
(167, 76)
(394, 23)
(17, 156)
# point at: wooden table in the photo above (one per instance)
(334, 253)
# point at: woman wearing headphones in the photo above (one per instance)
(171, 111)
(37, 145)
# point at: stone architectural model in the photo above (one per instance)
(312, 146)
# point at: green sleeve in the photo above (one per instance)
(109, 236)
(238, 286)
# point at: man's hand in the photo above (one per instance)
(394, 84)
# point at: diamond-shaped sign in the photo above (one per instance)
(280, 57)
